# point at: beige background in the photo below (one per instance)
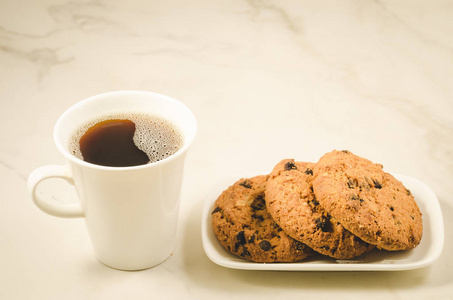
(267, 80)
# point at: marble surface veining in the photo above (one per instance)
(267, 80)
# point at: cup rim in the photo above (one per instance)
(63, 150)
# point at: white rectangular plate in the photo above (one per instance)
(424, 254)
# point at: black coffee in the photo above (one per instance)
(124, 140)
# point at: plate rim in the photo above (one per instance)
(433, 252)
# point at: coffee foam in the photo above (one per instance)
(154, 135)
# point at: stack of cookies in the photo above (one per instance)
(342, 206)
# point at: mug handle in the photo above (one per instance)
(53, 207)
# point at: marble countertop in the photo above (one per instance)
(266, 80)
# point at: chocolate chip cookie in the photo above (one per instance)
(292, 204)
(367, 201)
(244, 227)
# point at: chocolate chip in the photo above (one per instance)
(290, 166)
(391, 208)
(323, 223)
(245, 252)
(309, 171)
(246, 183)
(265, 245)
(408, 192)
(353, 183)
(236, 246)
(377, 184)
(240, 237)
(345, 151)
(252, 239)
(217, 209)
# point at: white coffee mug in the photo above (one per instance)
(131, 213)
